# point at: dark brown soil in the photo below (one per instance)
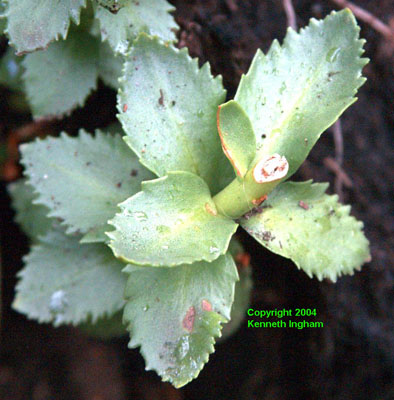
(351, 358)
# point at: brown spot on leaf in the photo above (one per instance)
(188, 321)
(161, 98)
(134, 172)
(258, 201)
(206, 305)
(119, 184)
(125, 107)
(210, 210)
(303, 205)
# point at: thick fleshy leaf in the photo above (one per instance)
(134, 17)
(237, 136)
(31, 217)
(174, 314)
(60, 78)
(11, 70)
(242, 299)
(172, 221)
(311, 228)
(64, 282)
(32, 25)
(180, 100)
(296, 91)
(110, 66)
(96, 235)
(81, 180)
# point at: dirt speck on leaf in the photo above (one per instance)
(266, 236)
(254, 211)
(161, 98)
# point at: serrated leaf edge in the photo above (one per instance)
(149, 264)
(293, 36)
(175, 28)
(75, 19)
(332, 275)
(83, 317)
(82, 134)
(77, 102)
(204, 358)
(205, 69)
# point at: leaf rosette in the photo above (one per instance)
(216, 166)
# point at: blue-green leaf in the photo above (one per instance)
(172, 221)
(134, 17)
(61, 78)
(31, 217)
(81, 180)
(296, 91)
(64, 282)
(168, 109)
(32, 25)
(311, 228)
(174, 314)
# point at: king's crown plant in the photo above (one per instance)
(142, 224)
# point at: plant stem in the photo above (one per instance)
(242, 195)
